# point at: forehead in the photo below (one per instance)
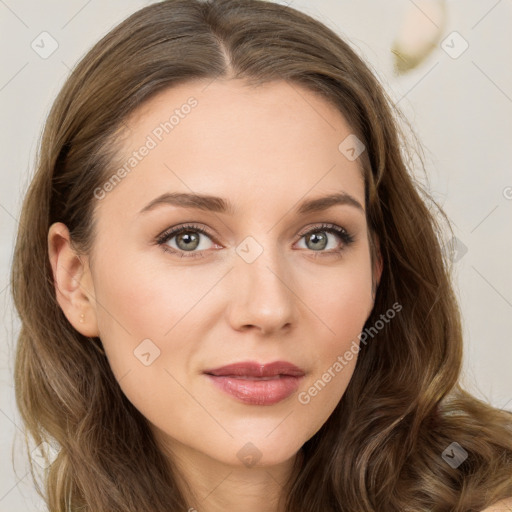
(274, 142)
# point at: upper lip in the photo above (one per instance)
(255, 369)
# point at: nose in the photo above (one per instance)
(261, 295)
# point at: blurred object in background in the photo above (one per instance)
(421, 30)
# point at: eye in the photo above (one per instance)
(188, 240)
(317, 240)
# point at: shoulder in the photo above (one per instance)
(502, 506)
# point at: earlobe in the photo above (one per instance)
(73, 282)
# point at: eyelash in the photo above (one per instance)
(162, 239)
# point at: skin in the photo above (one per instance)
(502, 506)
(265, 149)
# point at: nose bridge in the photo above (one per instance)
(262, 297)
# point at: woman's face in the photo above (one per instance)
(255, 288)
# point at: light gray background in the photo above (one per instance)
(461, 109)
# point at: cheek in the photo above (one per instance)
(342, 302)
(139, 313)
(342, 310)
(138, 298)
(152, 320)
(135, 303)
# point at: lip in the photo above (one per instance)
(257, 383)
(255, 369)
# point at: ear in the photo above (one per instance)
(73, 281)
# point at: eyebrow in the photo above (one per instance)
(220, 205)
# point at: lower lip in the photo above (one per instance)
(257, 391)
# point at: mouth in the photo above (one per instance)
(252, 369)
(255, 383)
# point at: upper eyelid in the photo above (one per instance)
(172, 232)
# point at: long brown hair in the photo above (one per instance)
(381, 449)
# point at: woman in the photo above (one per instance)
(232, 295)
